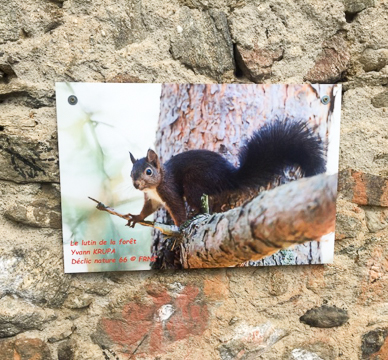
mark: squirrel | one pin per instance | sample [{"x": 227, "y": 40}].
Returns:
[{"x": 189, "y": 175}]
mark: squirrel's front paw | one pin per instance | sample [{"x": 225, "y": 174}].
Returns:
[{"x": 134, "y": 219}]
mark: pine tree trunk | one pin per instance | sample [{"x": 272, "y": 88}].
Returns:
[{"x": 222, "y": 118}]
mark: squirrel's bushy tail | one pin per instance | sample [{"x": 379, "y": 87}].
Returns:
[{"x": 274, "y": 147}]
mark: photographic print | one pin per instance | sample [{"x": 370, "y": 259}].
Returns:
[{"x": 180, "y": 176}]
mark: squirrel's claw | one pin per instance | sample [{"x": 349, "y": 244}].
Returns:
[{"x": 134, "y": 220}]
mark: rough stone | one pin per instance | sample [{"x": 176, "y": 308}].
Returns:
[
  {"x": 17, "y": 316},
  {"x": 17, "y": 92},
  {"x": 278, "y": 284},
  {"x": 356, "y": 6},
  {"x": 60, "y": 337},
  {"x": 365, "y": 80},
  {"x": 374, "y": 60},
  {"x": 25, "y": 160},
  {"x": 43, "y": 211},
  {"x": 127, "y": 27},
  {"x": 370, "y": 27},
  {"x": 204, "y": 44},
  {"x": 29, "y": 154},
  {"x": 363, "y": 189},
  {"x": 380, "y": 100},
  {"x": 350, "y": 220},
  {"x": 325, "y": 317},
  {"x": 331, "y": 63},
  {"x": 67, "y": 350},
  {"x": 21, "y": 21},
  {"x": 314, "y": 351},
  {"x": 301, "y": 354},
  {"x": 361, "y": 124},
  {"x": 78, "y": 300},
  {"x": 250, "y": 341},
  {"x": 208, "y": 4},
  {"x": 24, "y": 349},
  {"x": 195, "y": 314},
  {"x": 177, "y": 315},
  {"x": 272, "y": 31},
  {"x": 257, "y": 64},
  {"x": 93, "y": 286},
  {"x": 6, "y": 70},
  {"x": 125, "y": 78},
  {"x": 33, "y": 275},
  {"x": 216, "y": 287},
  {"x": 347, "y": 226},
  {"x": 372, "y": 342},
  {"x": 376, "y": 218}
]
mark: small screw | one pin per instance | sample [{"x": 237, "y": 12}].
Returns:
[
  {"x": 325, "y": 99},
  {"x": 72, "y": 100}
]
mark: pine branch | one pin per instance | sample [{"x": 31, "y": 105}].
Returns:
[
  {"x": 169, "y": 230},
  {"x": 295, "y": 213}
]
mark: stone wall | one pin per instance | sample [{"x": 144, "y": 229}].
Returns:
[{"x": 337, "y": 311}]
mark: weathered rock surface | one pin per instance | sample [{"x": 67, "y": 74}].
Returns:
[
  {"x": 178, "y": 314},
  {"x": 369, "y": 27},
  {"x": 78, "y": 300},
  {"x": 380, "y": 100},
  {"x": 229, "y": 313},
  {"x": 256, "y": 64},
  {"x": 331, "y": 63},
  {"x": 34, "y": 275},
  {"x": 17, "y": 316},
  {"x": 43, "y": 211},
  {"x": 272, "y": 42},
  {"x": 356, "y": 6},
  {"x": 60, "y": 337},
  {"x": 67, "y": 350},
  {"x": 372, "y": 342},
  {"x": 362, "y": 124},
  {"x": 374, "y": 60},
  {"x": 350, "y": 221},
  {"x": 24, "y": 349},
  {"x": 364, "y": 189},
  {"x": 301, "y": 354},
  {"x": 313, "y": 351},
  {"x": 202, "y": 42},
  {"x": 22, "y": 21},
  {"x": 376, "y": 218},
  {"x": 252, "y": 341},
  {"x": 28, "y": 142},
  {"x": 325, "y": 317}
]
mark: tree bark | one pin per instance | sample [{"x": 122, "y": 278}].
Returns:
[
  {"x": 274, "y": 220},
  {"x": 222, "y": 118}
]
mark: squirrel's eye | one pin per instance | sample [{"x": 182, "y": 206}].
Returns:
[{"x": 149, "y": 172}]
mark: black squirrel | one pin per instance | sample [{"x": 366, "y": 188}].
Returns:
[{"x": 189, "y": 175}]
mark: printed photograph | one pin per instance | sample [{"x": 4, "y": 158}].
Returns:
[{"x": 181, "y": 176}]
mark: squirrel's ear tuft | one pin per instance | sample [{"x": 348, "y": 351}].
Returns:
[
  {"x": 132, "y": 158},
  {"x": 152, "y": 158}
]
